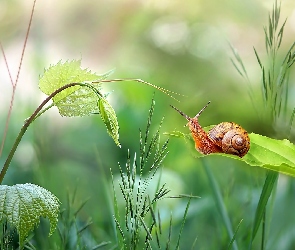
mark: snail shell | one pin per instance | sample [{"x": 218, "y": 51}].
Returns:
[
  {"x": 231, "y": 138},
  {"x": 226, "y": 137}
]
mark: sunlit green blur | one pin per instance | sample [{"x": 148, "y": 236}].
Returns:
[{"x": 179, "y": 46}]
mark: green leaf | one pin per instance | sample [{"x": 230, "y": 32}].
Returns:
[
  {"x": 22, "y": 205},
  {"x": 265, "y": 152},
  {"x": 109, "y": 118},
  {"x": 76, "y": 100}
]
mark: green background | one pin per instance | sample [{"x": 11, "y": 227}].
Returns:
[{"x": 179, "y": 46}]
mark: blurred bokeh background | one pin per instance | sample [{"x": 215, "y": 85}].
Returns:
[{"x": 183, "y": 47}]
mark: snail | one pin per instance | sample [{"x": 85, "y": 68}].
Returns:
[{"x": 226, "y": 137}]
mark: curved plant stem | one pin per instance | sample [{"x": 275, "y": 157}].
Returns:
[{"x": 36, "y": 114}]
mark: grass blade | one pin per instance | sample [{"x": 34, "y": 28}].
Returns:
[
  {"x": 291, "y": 122},
  {"x": 235, "y": 65},
  {"x": 288, "y": 54},
  {"x": 280, "y": 34},
  {"x": 102, "y": 244},
  {"x": 233, "y": 239},
  {"x": 117, "y": 228},
  {"x": 219, "y": 202},
  {"x": 242, "y": 69},
  {"x": 270, "y": 30},
  {"x": 267, "y": 42},
  {"x": 268, "y": 186},
  {"x": 277, "y": 13},
  {"x": 257, "y": 57},
  {"x": 182, "y": 223},
  {"x": 169, "y": 234}
]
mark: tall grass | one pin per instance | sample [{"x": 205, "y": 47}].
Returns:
[
  {"x": 140, "y": 227},
  {"x": 275, "y": 73},
  {"x": 275, "y": 84}
]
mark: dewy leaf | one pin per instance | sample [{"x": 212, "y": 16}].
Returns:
[
  {"x": 265, "y": 152},
  {"x": 109, "y": 118},
  {"x": 76, "y": 100},
  {"x": 23, "y": 204}
]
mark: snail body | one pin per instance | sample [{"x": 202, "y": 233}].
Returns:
[{"x": 225, "y": 137}]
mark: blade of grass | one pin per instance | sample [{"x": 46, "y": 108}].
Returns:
[
  {"x": 235, "y": 65},
  {"x": 80, "y": 207},
  {"x": 169, "y": 234},
  {"x": 280, "y": 34},
  {"x": 263, "y": 238},
  {"x": 219, "y": 202},
  {"x": 267, "y": 42},
  {"x": 85, "y": 227},
  {"x": 120, "y": 240},
  {"x": 242, "y": 69},
  {"x": 291, "y": 122},
  {"x": 288, "y": 54},
  {"x": 277, "y": 11},
  {"x": 146, "y": 228},
  {"x": 257, "y": 57},
  {"x": 154, "y": 223},
  {"x": 159, "y": 222},
  {"x": 182, "y": 223},
  {"x": 268, "y": 186},
  {"x": 194, "y": 243},
  {"x": 233, "y": 239},
  {"x": 102, "y": 244}
]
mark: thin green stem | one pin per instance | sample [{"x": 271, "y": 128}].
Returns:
[
  {"x": 165, "y": 91},
  {"x": 32, "y": 118}
]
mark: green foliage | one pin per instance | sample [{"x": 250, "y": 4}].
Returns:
[
  {"x": 76, "y": 92},
  {"x": 274, "y": 73},
  {"x": 220, "y": 204},
  {"x": 86, "y": 94},
  {"x": 82, "y": 98},
  {"x": 23, "y": 204},
  {"x": 142, "y": 224},
  {"x": 108, "y": 115},
  {"x": 134, "y": 186},
  {"x": 73, "y": 234},
  {"x": 275, "y": 155},
  {"x": 270, "y": 182},
  {"x": 265, "y": 152},
  {"x": 77, "y": 100}
]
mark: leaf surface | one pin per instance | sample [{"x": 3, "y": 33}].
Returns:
[
  {"x": 23, "y": 204},
  {"x": 75, "y": 100},
  {"x": 108, "y": 115},
  {"x": 265, "y": 152}
]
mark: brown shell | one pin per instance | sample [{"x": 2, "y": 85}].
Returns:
[
  {"x": 231, "y": 138},
  {"x": 226, "y": 137}
]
